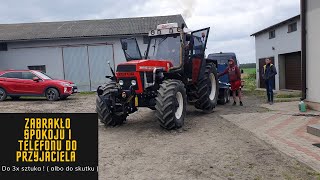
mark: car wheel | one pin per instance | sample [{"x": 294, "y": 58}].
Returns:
[
  {"x": 15, "y": 97},
  {"x": 3, "y": 94},
  {"x": 228, "y": 96},
  {"x": 52, "y": 94}
]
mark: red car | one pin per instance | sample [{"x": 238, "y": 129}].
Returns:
[{"x": 16, "y": 83}]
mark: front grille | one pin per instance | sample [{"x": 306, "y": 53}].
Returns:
[{"x": 126, "y": 68}]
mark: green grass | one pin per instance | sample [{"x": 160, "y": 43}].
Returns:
[
  {"x": 249, "y": 70},
  {"x": 250, "y": 79},
  {"x": 289, "y": 95},
  {"x": 87, "y": 93}
]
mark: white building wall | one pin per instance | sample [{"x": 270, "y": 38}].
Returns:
[
  {"x": 20, "y": 55},
  {"x": 313, "y": 61},
  {"x": 283, "y": 43},
  {"x": 22, "y": 58}
]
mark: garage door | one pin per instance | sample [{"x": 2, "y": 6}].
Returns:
[
  {"x": 75, "y": 60},
  {"x": 293, "y": 71},
  {"x": 262, "y": 62},
  {"x": 98, "y": 62},
  {"x": 87, "y": 65}
]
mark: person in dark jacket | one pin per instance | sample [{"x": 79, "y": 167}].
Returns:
[
  {"x": 268, "y": 73},
  {"x": 234, "y": 74}
]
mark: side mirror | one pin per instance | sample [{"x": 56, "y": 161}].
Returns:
[
  {"x": 36, "y": 79},
  {"x": 241, "y": 71},
  {"x": 124, "y": 46}
]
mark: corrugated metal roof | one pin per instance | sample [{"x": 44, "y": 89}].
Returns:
[
  {"x": 83, "y": 28},
  {"x": 276, "y": 25}
]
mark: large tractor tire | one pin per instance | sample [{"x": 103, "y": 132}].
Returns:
[
  {"x": 208, "y": 89},
  {"x": 171, "y": 103},
  {"x": 104, "y": 114}
]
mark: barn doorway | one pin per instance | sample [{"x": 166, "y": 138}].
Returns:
[{"x": 87, "y": 66}]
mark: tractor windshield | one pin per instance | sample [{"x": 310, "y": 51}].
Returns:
[{"x": 165, "y": 48}]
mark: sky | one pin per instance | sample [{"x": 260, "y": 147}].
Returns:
[{"x": 231, "y": 22}]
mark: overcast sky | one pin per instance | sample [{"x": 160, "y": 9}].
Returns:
[{"x": 231, "y": 21}]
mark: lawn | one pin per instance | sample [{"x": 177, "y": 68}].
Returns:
[
  {"x": 249, "y": 70},
  {"x": 249, "y": 76}
]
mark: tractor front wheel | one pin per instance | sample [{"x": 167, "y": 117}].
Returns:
[
  {"x": 208, "y": 89},
  {"x": 104, "y": 114},
  {"x": 171, "y": 104}
]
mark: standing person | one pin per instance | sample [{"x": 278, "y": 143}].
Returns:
[
  {"x": 269, "y": 72},
  {"x": 234, "y": 74}
]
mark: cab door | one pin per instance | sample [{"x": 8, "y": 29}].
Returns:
[
  {"x": 199, "y": 41},
  {"x": 131, "y": 49}
]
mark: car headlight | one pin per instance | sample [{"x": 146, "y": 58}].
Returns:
[
  {"x": 121, "y": 82},
  {"x": 64, "y": 84},
  {"x": 133, "y": 82}
]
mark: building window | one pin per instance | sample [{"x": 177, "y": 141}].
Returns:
[
  {"x": 41, "y": 68},
  {"x": 145, "y": 39},
  {"x": 292, "y": 27},
  {"x": 272, "y": 34},
  {"x": 3, "y": 47}
]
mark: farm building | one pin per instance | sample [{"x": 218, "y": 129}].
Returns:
[
  {"x": 310, "y": 12},
  {"x": 74, "y": 50},
  {"x": 282, "y": 44}
]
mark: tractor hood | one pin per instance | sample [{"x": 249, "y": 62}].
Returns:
[{"x": 144, "y": 65}]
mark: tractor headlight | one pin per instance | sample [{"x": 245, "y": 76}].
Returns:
[
  {"x": 133, "y": 82},
  {"x": 121, "y": 82}
]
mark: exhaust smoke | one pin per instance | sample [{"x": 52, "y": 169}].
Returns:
[{"x": 188, "y": 7}]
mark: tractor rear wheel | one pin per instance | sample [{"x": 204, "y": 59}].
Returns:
[
  {"x": 104, "y": 114},
  {"x": 171, "y": 104},
  {"x": 208, "y": 89}
]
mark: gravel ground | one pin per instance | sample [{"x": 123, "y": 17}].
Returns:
[{"x": 208, "y": 147}]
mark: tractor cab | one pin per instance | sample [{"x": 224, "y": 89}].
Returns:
[
  {"x": 168, "y": 42},
  {"x": 170, "y": 49}
]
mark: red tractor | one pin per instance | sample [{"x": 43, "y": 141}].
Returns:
[{"x": 172, "y": 72}]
